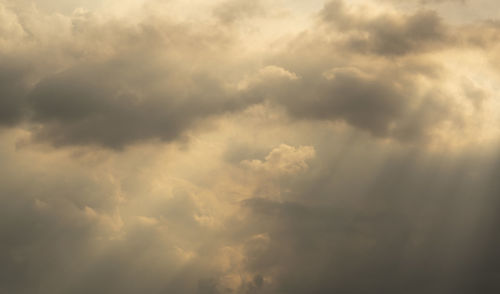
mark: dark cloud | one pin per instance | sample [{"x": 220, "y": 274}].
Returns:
[
  {"x": 386, "y": 99},
  {"x": 113, "y": 84},
  {"x": 13, "y": 88},
  {"x": 373, "y": 71},
  {"x": 342, "y": 212},
  {"x": 46, "y": 226},
  {"x": 385, "y": 34},
  {"x": 363, "y": 101},
  {"x": 118, "y": 103},
  {"x": 404, "y": 230}
]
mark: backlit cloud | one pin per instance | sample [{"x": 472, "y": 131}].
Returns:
[{"x": 263, "y": 147}]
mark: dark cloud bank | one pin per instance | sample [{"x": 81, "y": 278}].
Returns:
[
  {"x": 114, "y": 84},
  {"x": 364, "y": 218},
  {"x": 404, "y": 232}
]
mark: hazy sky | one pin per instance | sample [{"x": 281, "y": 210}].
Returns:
[{"x": 267, "y": 146}]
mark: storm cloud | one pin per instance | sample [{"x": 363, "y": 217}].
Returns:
[
  {"x": 116, "y": 83},
  {"x": 219, "y": 147}
]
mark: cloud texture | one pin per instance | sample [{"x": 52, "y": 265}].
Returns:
[{"x": 232, "y": 147}]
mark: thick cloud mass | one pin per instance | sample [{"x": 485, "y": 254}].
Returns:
[
  {"x": 386, "y": 34},
  {"x": 408, "y": 234},
  {"x": 236, "y": 147},
  {"x": 115, "y": 83},
  {"x": 13, "y": 89},
  {"x": 112, "y": 104}
]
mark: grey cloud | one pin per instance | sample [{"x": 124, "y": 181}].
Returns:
[
  {"x": 44, "y": 227},
  {"x": 362, "y": 228},
  {"x": 13, "y": 88},
  {"x": 385, "y": 101},
  {"x": 112, "y": 84},
  {"x": 386, "y": 34},
  {"x": 403, "y": 32},
  {"x": 372, "y": 72},
  {"x": 157, "y": 80},
  {"x": 361, "y": 219},
  {"x": 115, "y": 104},
  {"x": 362, "y": 216},
  {"x": 364, "y": 102}
]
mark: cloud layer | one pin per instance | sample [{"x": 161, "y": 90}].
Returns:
[{"x": 226, "y": 147}]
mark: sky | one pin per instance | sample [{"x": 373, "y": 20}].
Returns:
[{"x": 249, "y": 147}]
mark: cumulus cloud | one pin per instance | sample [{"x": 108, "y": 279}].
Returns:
[
  {"x": 283, "y": 159},
  {"x": 114, "y": 83},
  {"x": 354, "y": 153},
  {"x": 383, "y": 72},
  {"x": 387, "y": 100},
  {"x": 388, "y": 236},
  {"x": 115, "y": 106},
  {"x": 385, "y": 33}
]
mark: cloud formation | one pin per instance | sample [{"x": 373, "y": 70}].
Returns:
[
  {"x": 115, "y": 83},
  {"x": 224, "y": 147}
]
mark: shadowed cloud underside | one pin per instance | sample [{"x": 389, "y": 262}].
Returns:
[{"x": 249, "y": 147}]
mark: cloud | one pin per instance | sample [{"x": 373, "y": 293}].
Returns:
[
  {"x": 236, "y": 10},
  {"x": 391, "y": 235},
  {"x": 113, "y": 84},
  {"x": 387, "y": 100},
  {"x": 385, "y": 72},
  {"x": 115, "y": 104},
  {"x": 283, "y": 159},
  {"x": 13, "y": 88},
  {"x": 357, "y": 153},
  {"x": 385, "y": 34},
  {"x": 338, "y": 227}
]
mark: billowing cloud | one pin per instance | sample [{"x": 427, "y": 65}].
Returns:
[
  {"x": 115, "y": 83},
  {"x": 282, "y": 160},
  {"x": 385, "y": 34},
  {"x": 115, "y": 106},
  {"x": 228, "y": 147}
]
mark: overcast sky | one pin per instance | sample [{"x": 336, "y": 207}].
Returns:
[{"x": 249, "y": 147}]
